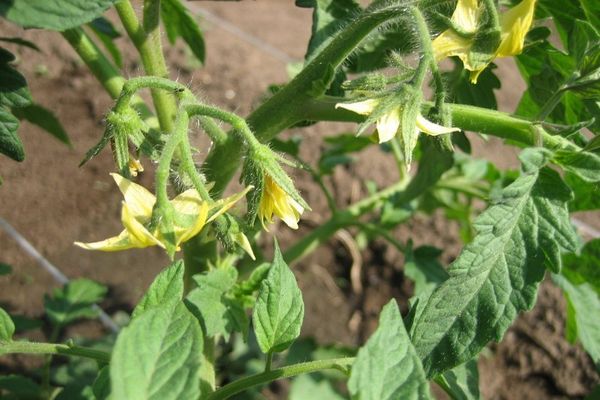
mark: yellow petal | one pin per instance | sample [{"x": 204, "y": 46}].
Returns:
[
  {"x": 276, "y": 201},
  {"x": 364, "y": 107},
  {"x": 139, "y": 200},
  {"x": 139, "y": 236},
  {"x": 466, "y": 15},
  {"x": 433, "y": 129},
  {"x": 244, "y": 243},
  {"x": 227, "y": 203},
  {"x": 188, "y": 202},
  {"x": 515, "y": 24},
  {"x": 388, "y": 125},
  {"x": 115, "y": 243},
  {"x": 193, "y": 230}
]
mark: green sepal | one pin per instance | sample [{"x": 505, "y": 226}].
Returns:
[
  {"x": 163, "y": 216},
  {"x": 484, "y": 47},
  {"x": 252, "y": 174},
  {"x": 409, "y": 133}
]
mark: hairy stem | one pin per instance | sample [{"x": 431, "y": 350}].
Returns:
[
  {"x": 148, "y": 45},
  {"x": 280, "y": 373},
  {"x": 55, "y": 349}
]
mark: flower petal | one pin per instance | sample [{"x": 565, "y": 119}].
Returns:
[
  {"x": 227, "y": 203},
  {"x": 139, "y": 200},
  {"x": 431, "y": 128},
  {"x": 187, "y": 234},
  {"x": 466, "y": 15},
  {"x": 364, "y": 107},
  {"x": 116, "y": 243},
  {"x": 139, "y": 236},
  {"x": 388, "y": 125},
  {"x": 515, "y": 23}
]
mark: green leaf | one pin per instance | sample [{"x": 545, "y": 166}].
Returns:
[
  {"x": 165, "y": 290},
  {"x": 57, "y": 15},
  {"x": 10, "y": 144},
  {"x": 584, "y": 302},
  {"x": 214, "y": 304},
  {"x": 74, "y": 301},
  {"x": 591, "y": 9},
  {"x": 43, "y": 118},
  {"x": 7, "y": 327},
  {"x": 423, "y": 267},
  {"x": 158, "y": 356},
  {"x": 462, "y": 91},
  {"x": 101, "y": 385},
  {"x": 584, "y": 164},
  {"x": 583, "y": 268},
  {"x": 107, "y": 33},
  {"x": 179, "y": 23},
  {"x": 586, "y": 194},
  {"x": 462, "y": 382},
  {"x": 308, "y": 387},
  {"x": 20, "y": 387},
  {"x": 5, "y": 269},
  {"x": 387, "y": 366},
  {"x": 497, "y": 275},
  {"x": 13, "y": 87},
  {"x": 21, "y": 42},
  {"x": 279, "y": 309}
]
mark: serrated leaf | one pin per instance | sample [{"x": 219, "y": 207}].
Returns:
[
  {"x": 497, "y": 275},
  {"x": 252, "y": 284},
  {"x": 7, "y": 327},
  {"x": 423, "y": 267},
  {"x": 584, "y": 267},
  {"x": 462, "y": 382},
  {"x": 158, "y": 356},
  {"x": 179, "y": 23},
  {"x": 584, "y": 302},
  {"x": 165, "y": 290},
  {"x": 101, "y": 387},
  {"x": 214, "y": 304},
  {"x": 387, "y": 366},
  {"x": 584, "y": 164},
  {"x": 13, "y": 87},
  {"x": 57, "y": 15},
  {"x": 45, "y": 119},
  {"x": 10, "y": 144},
  {"x": 279, "y": 308},
  {"x": 587, "y": 195},
  {"x": 74, "y": 301}
]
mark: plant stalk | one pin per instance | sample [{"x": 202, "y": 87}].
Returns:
[{"x": 55, "y": 349}]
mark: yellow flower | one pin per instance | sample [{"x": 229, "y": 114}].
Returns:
[
  {"x": 514, "y": 25},
  {"x": 276, "y": 201},
  {"x": 191, "y": 215},
  {"x": 389, "y": 123}
]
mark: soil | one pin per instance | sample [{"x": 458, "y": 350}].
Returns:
[{"x": 53, "y": 203}]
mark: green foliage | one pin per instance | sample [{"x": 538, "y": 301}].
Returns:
[
  {"x": 422, "y": 266},
  {"x": 56, "y": 15},
  {"x": 462, "y": 382},
  {"x": 45, "y": 119},
  {"x": 388, "y": 367},
  {"x": 462, "y": 91},
  {"x": 107, "y": 33},
  {"x": 166, "y": 290},
  {"x": 19, "y": 387},
  {"x": 7, "y": 327},
  {"x": 101, "y": 385},
  {"x": 584, "y": 164},
  {"x": 74, "y": 301},
  {"x": 214, "y": 303},
  {"x": 158, "y": 356},
  {"x": 497, "y": 275},
  {"x": 279, "y": 309},
  {"x": 179, "y": 23}
]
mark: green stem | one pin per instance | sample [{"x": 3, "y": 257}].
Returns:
[
  {"x": 151, "y": 54},
  {"x": 280, "y": 373},
  {"x": 269, "y": 361},
  {"x": 468, "y": 118},
  {"x": 48, "y": 362},
  {"x": 283, "y": 109},
  {"x": 101, "y": 67},
  {"x": 55, "y": 349}
]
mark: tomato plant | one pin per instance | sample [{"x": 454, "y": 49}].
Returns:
[{"x": 368, "y": 65}]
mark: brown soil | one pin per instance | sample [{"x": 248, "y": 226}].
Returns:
[{"x": 52, "y": 203}]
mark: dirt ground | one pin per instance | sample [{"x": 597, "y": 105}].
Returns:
[{"x": 53, "y": 203}]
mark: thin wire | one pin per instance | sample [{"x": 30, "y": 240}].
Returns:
[{"x": 56, "y": 273}]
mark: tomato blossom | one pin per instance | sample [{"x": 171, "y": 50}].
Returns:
[
  {"x": 191, "y": 214},
  {"x": 514, "y": 25},
  {"x": 276, "y": 201}
]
